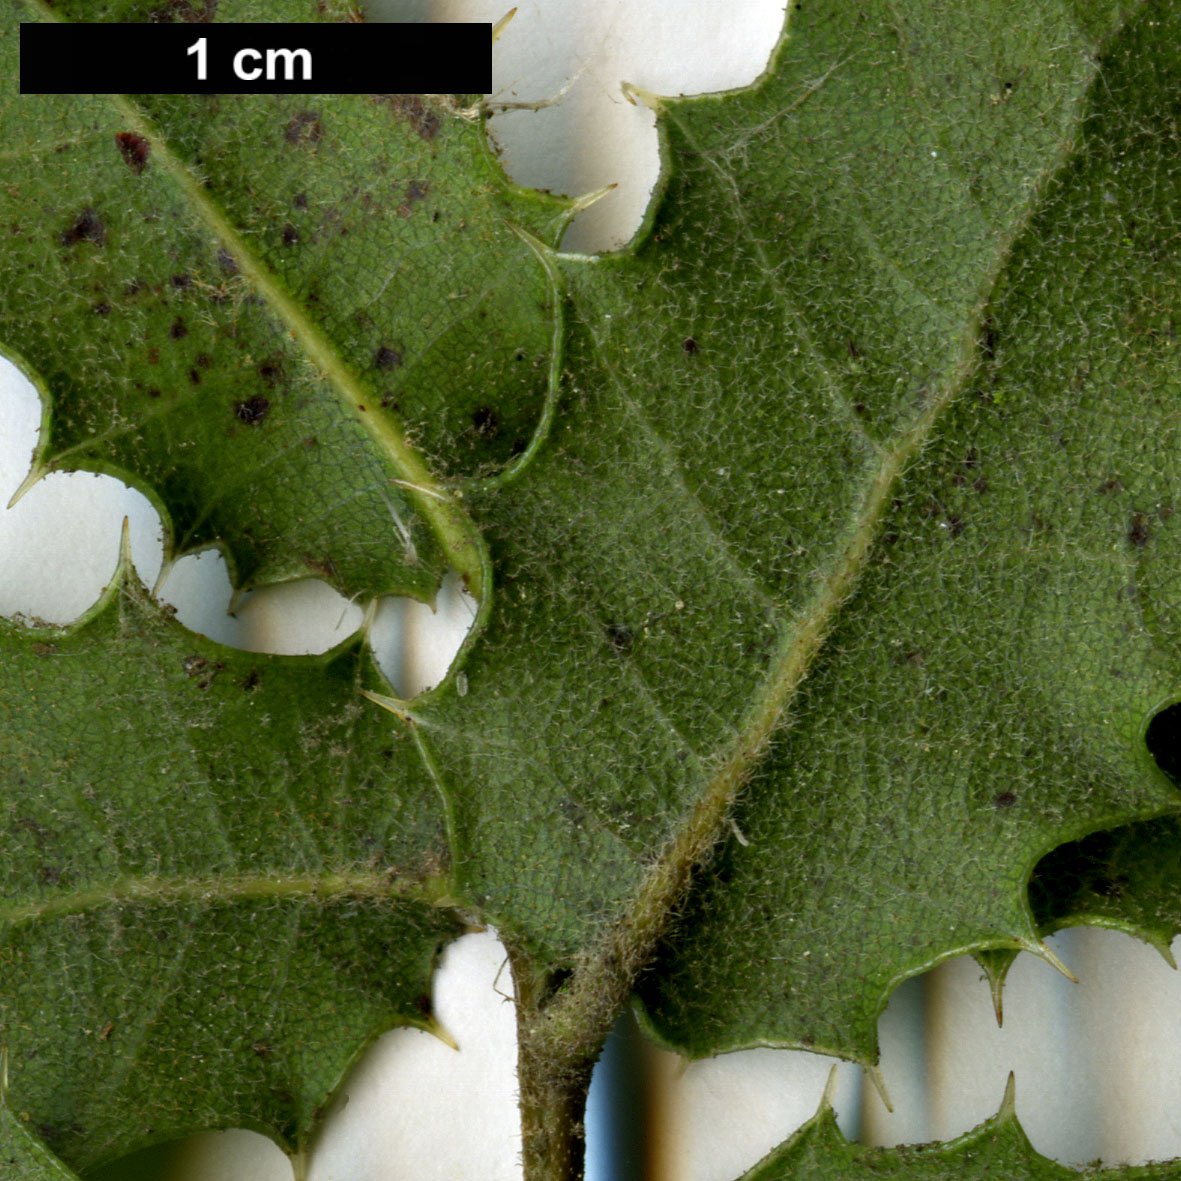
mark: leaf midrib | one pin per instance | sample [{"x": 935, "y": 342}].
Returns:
[
  {"x": 577, "y": 1020},
  {"x": 430, "y": 890}
]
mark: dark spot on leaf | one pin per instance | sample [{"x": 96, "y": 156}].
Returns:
[
  {"x": 194, "y": 377},
  {"x": 135, "y": 150},
  {"x": 424, "y": 119},
  {"x": 253, "y": 410},
  {"x": 304, "y": 127},
  {"x": 852, "y": 349},
  {"x": 1163, "y": 739},
  {"x": 325, "y": 567},
  {"x": 262, "y": 1049},
  {"x": 153, "y": 355},
  {"x": 300, "y": 200},
  {"x": 290, "y": 235},
  {"x": 178, "y": 331},
  {"x": 989, "y": 337},
  {"x": 689, "y": 346},
  {"x": 41, "y": 648},
  {"x": 194, "y": 665},
  {"x": 622, "y": 638},
  {"x": 204, "y": 361},
  {"x": 227, "y": 262},
  {"x": 387, "y": 358},
  {"x": 980, "y": 484},
  {"x": 955, "y": 525},
  {"x": 1109, "y": 486},
  {"x": 49, "y": 875},
  {"x": 486, "y": 421},
  {"x": 180, "y": 282},
  {"x": 1139, "y": 531},
  {"x": 153, "y": 393},
  {"x": 415, "y": 192},
  {"x": 271, "y": 372},
  {"x": 519, "y": 447},
  {"x": 1005, "y": 799},
  {"x": 252, "y": 680},
  {"x": 87, "y": 227},
  {"x": 102, "y": 309}
]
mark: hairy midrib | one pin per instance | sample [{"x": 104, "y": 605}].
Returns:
[
  {"x": 429, "y": 890},
  {"x": 575, "y": 1022}
]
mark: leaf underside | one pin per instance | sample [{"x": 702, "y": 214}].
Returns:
[{"x": 857, "y": 506}]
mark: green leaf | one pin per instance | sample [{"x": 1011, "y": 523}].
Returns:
[
  {"x": 997, "y": 1148},
  {"x": 215, "y": 891},
  {"x": 824, "y": 543},
  {"x": 235, "y": 347}
]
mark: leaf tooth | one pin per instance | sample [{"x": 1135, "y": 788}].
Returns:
[
  {"x": 1043, "y": 952},
  {"x": 632, "y": 92},
  {"x": 830, "y": 1086},
  {"x": 1008, "y": 1108},
  {"x": 503, "y": 24},
  {"x": 995, "y": 963},
  {"x": 874, "y": 1074},
  {"x": 35, "y": 473}
]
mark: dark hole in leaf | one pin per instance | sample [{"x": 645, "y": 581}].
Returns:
[
  {"x": 1163, "y": 739},
  {"x": 689, "y": 345}
]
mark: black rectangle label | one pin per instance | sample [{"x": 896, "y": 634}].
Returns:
[{"x": 255, "y": 58}]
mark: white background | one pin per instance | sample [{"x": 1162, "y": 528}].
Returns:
[{"x": 1096, "y": 1062}]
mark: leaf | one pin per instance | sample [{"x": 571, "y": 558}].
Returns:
[
  {"x": 238, "y": 355},
  {"x": 214, "y": 893},
  {"x": 997, "y": 1148},
  {"x": 824, "y": 543}
]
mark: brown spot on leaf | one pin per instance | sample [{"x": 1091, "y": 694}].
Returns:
[
  {"x": 1005, "y": 799},
  {"x": 300, "y": 200},
  {"x": 290, "y": 235},
  {"x": 1139, "y": 530},
  {"x": 271, "y": 372},
  {"x": 178, "y": 331},
  {"x": 415, "y": 191},
  {"x": 180, "y": 282},
  {"x": 387, "y": 358},
  {"x": 304, "y": 127},
  {"x": 135, "y": 150},
  {"x": 227, "y": 262},
  {"x": 253, "y": 410},
  {"x": 87, "y": 227},
  {"x": 689, "y": 346},
  {"x": 423, "y": 118}
]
